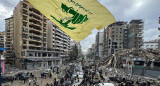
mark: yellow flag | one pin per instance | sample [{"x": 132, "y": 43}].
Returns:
[{"x": 77, "y": 18}]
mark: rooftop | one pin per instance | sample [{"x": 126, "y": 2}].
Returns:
[{"x": 137, "y": 21}]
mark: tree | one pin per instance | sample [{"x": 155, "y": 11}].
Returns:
[{"x": 74, "y": 53}]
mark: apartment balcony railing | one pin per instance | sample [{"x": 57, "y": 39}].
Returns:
[
  {"x": 141, "y": 36},
  {"x": 34, "y": 11},
  {"x": 36, "y": 35},
  {"x": 35, "y": 40},
  {"x": 35, "y": 19},
  {"x": 35, "y": 24},
  {"x": 34, "y": 45},
  {"x": 35, "y": 29},
  {"x": 25, "y": 8}
]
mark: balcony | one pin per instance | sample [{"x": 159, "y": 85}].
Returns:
[
  {"x": 25, "y": 8},
  {"x": 35, "y": 24},
  {"x": 35, "y": 12},
  {"x": 141, "y": 36},
  {"x": 141, "y": 32},
  {"x": 35, "y": 19},
  {"x": 35, "y": 40},
  {"x": 33, "y": 45},
  {"x": 35, "y": 29},
  {"x": 25, "y": 3},
  {"x": 25, "y": 20},
  {"x": 24, "y": 12}
]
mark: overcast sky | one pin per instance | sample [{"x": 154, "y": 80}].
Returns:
[{"x": 122, "y": 10}]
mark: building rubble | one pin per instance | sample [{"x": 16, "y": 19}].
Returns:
[{"x": 127, "y": 55}]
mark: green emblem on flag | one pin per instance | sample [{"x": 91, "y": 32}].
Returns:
[{"x": 77, "y": 18}]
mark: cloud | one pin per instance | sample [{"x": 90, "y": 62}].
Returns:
[
  {"x": 123, "y": 10},
  {"x": 87, "y": 42},
  {"x": 6, "y": 10},
  {"x": 126, "y": 10}
]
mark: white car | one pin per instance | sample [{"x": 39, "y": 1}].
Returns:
[
  {"x": 81, "y": 73},
  {"x": 80, "y": 76},
  {"x": 47, "y": 71},
  {"x": 104, "y": 84},
  {"x": 74, "y": 75}
]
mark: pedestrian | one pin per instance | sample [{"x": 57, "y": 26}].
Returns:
[
  {"x": 78, "y": 79},
  {"x": 24, "y": 80},
  {"x": 50, "y": 75},
  {"x": 37, "y": 84},
  {"x": 11, "y": 79},
  {"x": 30, "y": 75},
  {"x": 30, "y": 82}
]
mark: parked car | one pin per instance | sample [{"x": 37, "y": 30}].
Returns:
[
  {"x": 5, "y": 79},
  {"x": 80, "y": 76},
  {"x": 21, "y": 76},
  {"x": 47, "y": 71},
  {"x": 74, "y": 75},
  {"x": 68, "y": 83}
]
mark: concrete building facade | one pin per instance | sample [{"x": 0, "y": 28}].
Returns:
[
  {"x": 72, "y": 43},
  {"x": 57, "y": 40},
  {"x": 30, "y": 38},
  {"x": 135, "y": 34},
  {"x": 99, "y": 45},
  {"x": 2, "y": 39},
  {"x": 9, "y": 25},
  {"x": 116, "y": 35},
  {"x": 150, "y": 45}
]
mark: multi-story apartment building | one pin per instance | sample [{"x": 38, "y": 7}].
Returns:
[
  {"x": 91, "y": 50},
  {"x": 57, "y": 40},
  {"x": 93, "y": 47},
  {"x": 105, "y": 45},
  {"x": 30, "y": 38},
  {"x": 135, "y": 34},
  {"x": 99, "y": 45},
  {"x": 9, "y": 25},
  {"x": 150, "y": 45},
  {"x": 2, "y": 39},
  {"x": 73, "y": 43},
  {"x": 116, "y": 35}
]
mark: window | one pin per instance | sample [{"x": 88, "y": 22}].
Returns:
[
  {"x": 23, "y": 53},
  {"x": 30, "y": 54},
  {"x": 49, "y": 55},
  {"x": 25, "y": 30}
]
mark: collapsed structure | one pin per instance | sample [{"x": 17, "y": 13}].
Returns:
[{"x": 130, "y": 56}]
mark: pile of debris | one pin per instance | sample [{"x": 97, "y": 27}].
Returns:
[{"x": 116, "y": 60}]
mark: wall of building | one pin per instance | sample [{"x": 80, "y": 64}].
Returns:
[
  {"x": 9, "y": 27},
  {"x": 115, "y": 37},
  {"x": 99, "y": 45},
  {"x": 150, "y": 45},
  {"x": 2, "y": 39},
  {"x": 135, "y": 34}
]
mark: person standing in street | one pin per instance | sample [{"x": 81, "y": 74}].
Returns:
[{"x": 30, "y": 82}]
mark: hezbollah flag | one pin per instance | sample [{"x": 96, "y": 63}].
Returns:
[{"x": 77, "y": 18}]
